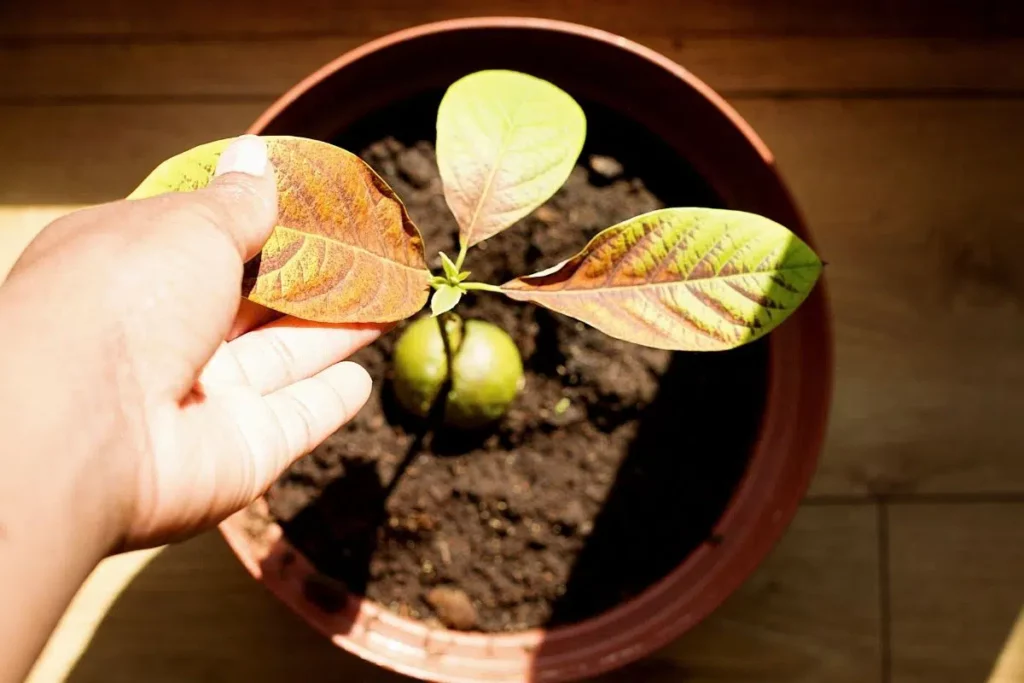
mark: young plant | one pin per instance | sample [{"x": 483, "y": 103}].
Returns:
[{"x": 684, "y": 279}]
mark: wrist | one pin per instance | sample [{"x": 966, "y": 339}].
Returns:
[{"x": 63, "y": 439}]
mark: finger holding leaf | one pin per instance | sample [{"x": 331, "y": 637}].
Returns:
[{"x": 344, "y": 249}]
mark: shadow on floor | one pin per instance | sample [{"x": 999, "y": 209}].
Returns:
[
  {"x": 194, "y": 614},
  {"x": 809, "y": 614}
]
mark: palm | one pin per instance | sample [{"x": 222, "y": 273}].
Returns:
[{"x": 262, "y": 399}]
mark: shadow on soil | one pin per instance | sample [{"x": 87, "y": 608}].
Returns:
[{"x": 675, "y": 482}]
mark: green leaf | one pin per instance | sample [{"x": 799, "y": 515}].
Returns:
[
  {"x": 444, "y": 299},
  {"x": 450, "y": 269},
  {"x": 682, "y": 279},
  {"x": 344, "y": 249},
  {"x": 505, "y": 143}
]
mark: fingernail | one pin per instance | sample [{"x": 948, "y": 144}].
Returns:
[{"x": 247, "y": 154}]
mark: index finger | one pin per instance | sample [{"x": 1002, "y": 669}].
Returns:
[{"x": 286, "y": 351}]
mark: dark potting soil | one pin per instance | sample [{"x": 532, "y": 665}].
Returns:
[{"x": 612, "y": 465}]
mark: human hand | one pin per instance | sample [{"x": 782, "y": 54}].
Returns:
[{"x": 184, "y": 407}]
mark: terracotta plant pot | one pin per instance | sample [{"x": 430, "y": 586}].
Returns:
[{"x": 701, "y": 128}]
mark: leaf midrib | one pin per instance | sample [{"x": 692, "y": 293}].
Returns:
[
  {"x": 347, "y": 245},
  {"x": 493, "y": 173},
  {"x": 655, "y": 285}
]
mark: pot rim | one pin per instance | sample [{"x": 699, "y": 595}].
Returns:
[
  {"x": 662, "y": 611},
  {"x": 538, "y": 23}
]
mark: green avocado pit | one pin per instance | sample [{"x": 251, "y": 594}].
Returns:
[{"x": 487, "y": 370}]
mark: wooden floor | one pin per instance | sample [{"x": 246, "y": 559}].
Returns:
[{"x": 900, "y": 126}]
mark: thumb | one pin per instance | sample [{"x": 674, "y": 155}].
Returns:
[
  {"x": 242, "y": 197},
  {"x": 181, "y": 247}
]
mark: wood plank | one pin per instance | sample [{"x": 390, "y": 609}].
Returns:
[
  {"x": 94, "y": 153},
  {"x": 734, "y": 66},
  {"x": 919, "y": 211},
  {"x": 194, "y": 18},
  {"x": 191, "y": 613},
  {"x": 957, "y": 593},
  {"x": 916, "y": 205},
  {"x": 1009, "y": 667},
  {"x": 810, "y": 613},
  {"x": 84, "y": 614}
]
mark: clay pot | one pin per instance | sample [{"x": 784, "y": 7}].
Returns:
[{"x": 703, "y": 129}]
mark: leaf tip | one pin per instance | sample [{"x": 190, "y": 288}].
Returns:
[{"x": 449, "y": 267}]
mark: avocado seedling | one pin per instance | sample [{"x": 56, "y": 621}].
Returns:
[{"x": 345, "y": 250}]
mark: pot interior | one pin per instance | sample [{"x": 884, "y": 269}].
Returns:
[{"x": 551, "y": 518}]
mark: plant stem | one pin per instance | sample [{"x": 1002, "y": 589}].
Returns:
[
  {"x": 463, "y": 248},
  {"x": 449, "y": 352},
  {"x": 481, "y": 287}
]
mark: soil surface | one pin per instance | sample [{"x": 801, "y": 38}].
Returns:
[{"x": 558, "y": 513}]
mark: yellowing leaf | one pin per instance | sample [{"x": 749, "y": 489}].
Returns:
[
  {"x": 505, "y": 143},
  {"x": 681, "y": 279},
  {"x": 344, "y": 249}
]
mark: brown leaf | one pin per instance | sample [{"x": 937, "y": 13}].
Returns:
[
  {"x": 344, "y": 249},
  {"x": 681, "y": 279}
]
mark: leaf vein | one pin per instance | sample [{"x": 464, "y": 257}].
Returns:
[
  {"x": 352, "y": 247},
  {"x": 649, "y": 285},
  {"x": 617, "y": 268},
  {"x": 682, "y": 242}
]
